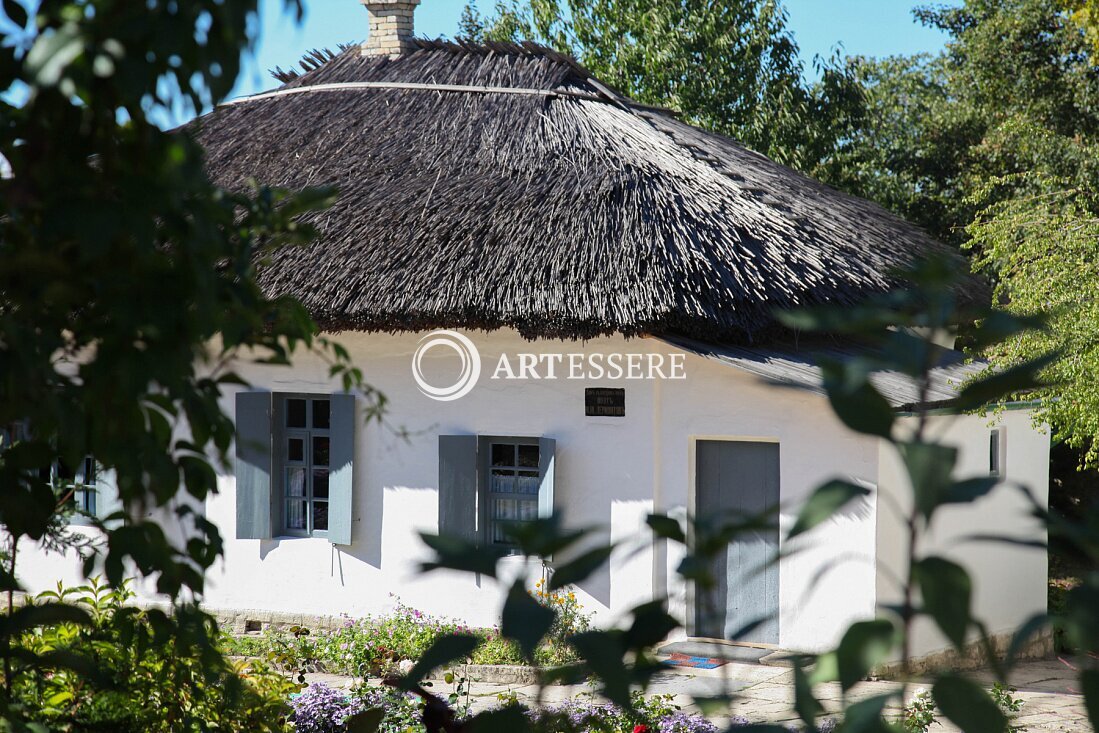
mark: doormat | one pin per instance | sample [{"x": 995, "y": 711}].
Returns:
[{"x": 685, "y": 660}]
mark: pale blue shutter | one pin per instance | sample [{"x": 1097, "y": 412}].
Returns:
[
  {"x": 458, "y": 486},
  {"x": 255, "y": 504},
  {"x": 546, "y": 448},
  {"x": 341, "y": 479},
  {"x": 107, "y": 500}
]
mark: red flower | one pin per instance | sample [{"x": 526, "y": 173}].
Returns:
[{"x": 641, "y": 728}]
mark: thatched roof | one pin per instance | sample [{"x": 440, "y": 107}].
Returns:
[{"x": 542, "y": 201}]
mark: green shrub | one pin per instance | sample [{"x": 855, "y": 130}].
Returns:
[{"x": 140, "y": 677}]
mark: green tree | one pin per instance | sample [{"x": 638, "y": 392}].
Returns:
[
  {"x": 1012, "y": 93},
  {"x": 1085, "y": 13},
  {"x": 127, "y": 290},
  {"x": 731, "y": 67}
]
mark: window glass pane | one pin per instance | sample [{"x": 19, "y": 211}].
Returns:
[
  {"x": 320, "y": 451},
  {"x": 528, "y": 456},
  {"x": 320, "y": 515},
  {"x": 295, "y": 449},
  {"x": 64, "y": 473},
  {"x": 528, "y": 482},
  {"x": 88, "y": 479},
  {"x": 503, "y": 454},
  {"x": 295, "y": 413},
  {"x": 320, "y": 484},
  {"x": 528, "y": 510},
  {"x": 502, "y": 482},
  {"x": 85, "y": 500},
  {"x": 320, "y": 414},
  {"x": 295, "y": 482},
  {"x": 500, "y": 533},
  {"x": 505, "y": 509},
  {"x": 295, "y": 515}
]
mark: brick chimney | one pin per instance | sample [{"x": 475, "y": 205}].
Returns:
[{"x": 391, "y": 27}]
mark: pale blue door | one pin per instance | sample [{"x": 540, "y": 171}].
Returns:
[{"x": 735, "y": 479}]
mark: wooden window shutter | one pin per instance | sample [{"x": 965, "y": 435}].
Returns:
[
  {"x": 458, "y": 486},
  {"x": 341, "y": 506},
  {"x": 546, "y": 448},
  {"x": 107, "y": 500},
  {"x": 253, "y": 466}
]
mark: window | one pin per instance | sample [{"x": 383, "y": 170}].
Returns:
[
  {"x": 79, "y": 486},
  {"x": 995, "y": 453},
  {"x": 511, "y": 493},
  {"x": 295, "y": 465},
  {"x": 487, "y": 484},
  {"x": 305, "y": 465}
]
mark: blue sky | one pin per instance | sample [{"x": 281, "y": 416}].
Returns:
[{"x": 866, "y": 27}]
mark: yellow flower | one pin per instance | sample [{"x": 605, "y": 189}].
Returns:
[{"x": 572, "y": 596}]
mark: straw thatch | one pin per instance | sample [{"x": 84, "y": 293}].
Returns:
[{"x": 560, "y": 209}]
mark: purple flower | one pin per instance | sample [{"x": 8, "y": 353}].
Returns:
[
  {"x": 681, "y": 722},
  {"x": 321, "y": 709}
]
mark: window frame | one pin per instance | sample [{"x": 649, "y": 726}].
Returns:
[
  {"x": 82, "y": 489},
  {"x": 485, "y": 494},
  {"x": 996, "y": 445},
  {"x": 281, "y": 435}
]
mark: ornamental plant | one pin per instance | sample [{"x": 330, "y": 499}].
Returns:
[
  {"x": 144, "y": 680},
  {"x": 322, "y": 709}
]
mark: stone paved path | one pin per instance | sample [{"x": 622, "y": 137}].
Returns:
[{"x": 765, "y": 694}]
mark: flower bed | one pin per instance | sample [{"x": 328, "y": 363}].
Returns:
[
  {"x": 321, "y": 709},
  {"x": 373, "y": 646}
]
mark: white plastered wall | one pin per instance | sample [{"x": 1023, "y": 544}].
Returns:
[
  {"x": 611, "y": 472},
  {"x": 1009, "y": 581}
]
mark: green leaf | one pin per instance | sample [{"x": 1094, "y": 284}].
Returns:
[
  {"x": 968, "y": 490},
  {"x": 1089, "y": 680},
  {"x": 666, "y": 527},
  {"x": 865, "y": 716},
  {"x": 46, "y": 614},
  {"x": 929, "y": 468},
  {"x": 993, "y": 388},
  {"x": 444, "y": 651},
  {"x": 864, "y": 645},
  {"x": 947, "y": 591},
  {"x": 580, "y": 568},
  {"x": 603, "y": 652},
  {"x": 1023, "y": 635},
  {"x": 806, "y": 704},
  {"x": 824, "y": 502},
  {"x": 651, "y": 625},
  {"x": 367, "y": 721},
  {"x": 544, "y": 537},
  {"x": 453, "y": 553},
  {"x": 524, "y": 619},
  {"x": 825, "y": 669},
  {"x": 967, "y": 705},
  {"x": 855, "y": 401}
]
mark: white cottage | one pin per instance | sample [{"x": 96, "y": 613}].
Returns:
[{"x": 567, "y": 298}]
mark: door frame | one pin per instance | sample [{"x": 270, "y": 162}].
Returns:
[{"x": 692, "y": 509}]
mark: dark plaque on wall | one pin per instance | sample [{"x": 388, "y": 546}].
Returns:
[{"x": 604, "y": 402}]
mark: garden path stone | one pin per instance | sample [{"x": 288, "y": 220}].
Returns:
[{"x": 764, "y": 694}]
